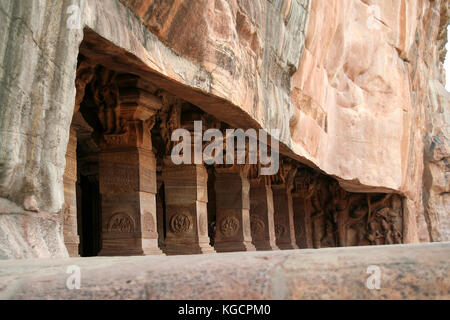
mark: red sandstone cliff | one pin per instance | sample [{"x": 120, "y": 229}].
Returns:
[{"x": 367, "y": 97}]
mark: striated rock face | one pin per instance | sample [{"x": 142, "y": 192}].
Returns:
[
  {"x": 249, "y": 50},
  {"x": 37, "y": 74},
  {"x": 355, "y": 88},
  {"x": 28, "y": 234},
  {"x": 436, "y": 176},
  {"x": 362, "y": 89}
]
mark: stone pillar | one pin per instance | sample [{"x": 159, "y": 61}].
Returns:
[
  {"x": 127, "y": 170},
  {"x": 85, "y": 72},
  {"x": 302, "y": 221},
  {"x": 282, "y": 186},
  {"x": 71, "y": 238},
  {"x": 185, "y": 185},
  {"x": 186, "y": 198},
  {"x": 262, "y": 215},
  {"x": 233, "y": 231},
  {"x": 160, "y": 211},
  {"x": 128, "y": 189},
  {"x": 211, "y": 206}
]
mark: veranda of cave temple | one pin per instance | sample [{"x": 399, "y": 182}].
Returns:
[{"x": 124, "y": 196}]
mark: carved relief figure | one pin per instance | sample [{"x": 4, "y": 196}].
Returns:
[
  {"x": 374, "y": 235},
  {"x": 257, "y": 227},
  {"x": 341, "y": 218},
  {"x": 106, "y": 96},
  {"x": 328, "y": 239},
  {"x": 339, "y": 207},
  {"x": 229, "y": 226},
  {"x": 121, "y": 222},
  {"x": 170, "y": 119}
]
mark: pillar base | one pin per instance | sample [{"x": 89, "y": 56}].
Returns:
[
  {"x": 288, "y": 246},
  {"x": 265, "y": 246},
  {"x": 110, "y": 247},
  {"x": 130, "y": 252},
  {"x": 234, "y": 246},
  {"x": 72, "y": 249},
  {"x": 172, "y": 250}
]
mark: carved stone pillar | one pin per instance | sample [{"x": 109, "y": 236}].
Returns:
[
  {"x": 71, "y": 238},
  {"x": 304, "y": 187},
  {"x": 185, "y": 185},
  {"x": 127, "y": 169},
  {"x": 262, "y": 215},
  {"x": 233, "y": 231},
  {"x": 160, "y": 210},
  {"x": 282, "y": 186},
  {"x": 128, "y": 188},
  {"x": 302, "y": 221},
  {"x": 186, "y": 198}
]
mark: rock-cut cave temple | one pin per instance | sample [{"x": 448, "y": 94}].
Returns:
[{"x": 92, "y": 91}]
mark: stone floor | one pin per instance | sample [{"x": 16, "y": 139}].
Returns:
[{"x": 406, "y": 272}]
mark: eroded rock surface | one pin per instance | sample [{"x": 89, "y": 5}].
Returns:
[
  {"x": 407, "y": 272},
  {"x": 436, "y": 175}
]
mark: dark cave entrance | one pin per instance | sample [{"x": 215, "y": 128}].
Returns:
[{"x": 89, "y": 218}]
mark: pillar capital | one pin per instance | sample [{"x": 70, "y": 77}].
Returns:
[
  {"x": 126, "y": 110},
  {"x": 285, "y": 177}
]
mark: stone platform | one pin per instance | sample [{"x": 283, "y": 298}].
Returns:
[{"x": 407, "y": 272}]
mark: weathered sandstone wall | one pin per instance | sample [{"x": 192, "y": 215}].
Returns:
[
  {"x": 351, "y": 98},
  {"x": 368, "y": 80},
  {"x": 436, "y": 175}
]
